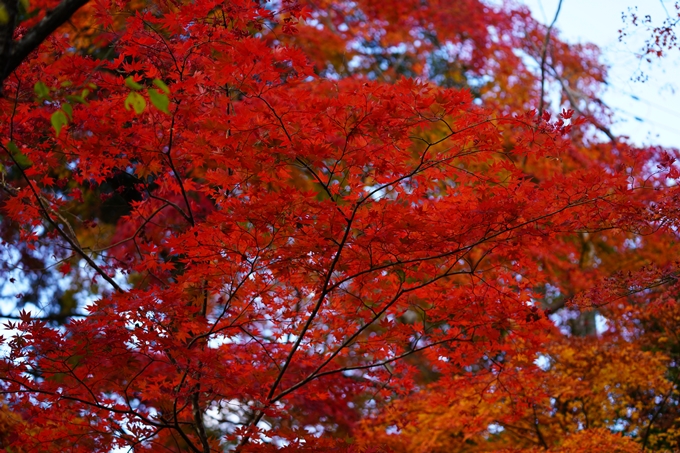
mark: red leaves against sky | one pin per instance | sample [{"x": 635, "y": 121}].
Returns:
[{"x": 293, "y": 250}]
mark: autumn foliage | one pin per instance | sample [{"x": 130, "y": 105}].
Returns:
[{"x": 329, "y": 226}]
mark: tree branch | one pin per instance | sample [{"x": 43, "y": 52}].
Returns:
[
  {"x": 46, "y": 212},
  {"x": 18, "y": 52},
  {"x": 544, "y": 53},
  {"x": 648, "y": 431},
  {"x": 541, "y": 439}
]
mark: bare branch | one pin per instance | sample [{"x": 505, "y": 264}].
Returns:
[{"x": 544, "y": 53}]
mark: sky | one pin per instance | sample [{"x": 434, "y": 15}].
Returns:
[{"x": 648, "y": 112}]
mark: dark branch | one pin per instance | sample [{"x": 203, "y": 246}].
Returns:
[
  {"x": 19, "y": 51},
  {"x": 11, "y": 9}
]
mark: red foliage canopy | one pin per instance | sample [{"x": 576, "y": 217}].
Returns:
[{"x": 249, "y": 227}]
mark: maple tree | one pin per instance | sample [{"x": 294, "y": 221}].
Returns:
[{"x": 327, "y": 225}]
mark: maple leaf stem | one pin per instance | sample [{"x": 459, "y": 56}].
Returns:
[
  {"x": 246, "y": 438},
  {"x": 134, "y": 378},
  {"x": 516, "y": 430},
  {"x": 573, "y": 102},
  {"x": 278, "y": 117},
  {"x": 196, "y": 395},
  {"x": 175, "y": 422}
]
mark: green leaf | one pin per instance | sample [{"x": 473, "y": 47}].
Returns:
[
  {"x": 66, "y": 107},
  {"x": 80, "y": 99},
  {"x": 13, "y": 148},
  {"x": 20, "y": 158},
  {"x": 4, "y": 15},
  {"x": 41, "y": 91},
  {"x": 159, "y": 100},
  {"x": 160, "y": 84},
  {"x": 58, "y": 120},
  {"x": 136, "y": 102},
  {"x": 130, "y": 83},
  {"x": 26, "y": 5}
]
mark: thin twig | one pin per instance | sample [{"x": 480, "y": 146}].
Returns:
[
  {"x": 544, "y": 54},
  {"x": 168, "y": 154}
]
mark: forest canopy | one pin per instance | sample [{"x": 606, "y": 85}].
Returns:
[{"x": 359, "y": 226}]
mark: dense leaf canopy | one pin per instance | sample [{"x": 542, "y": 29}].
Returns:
[{"x": 326, "y": 226}]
